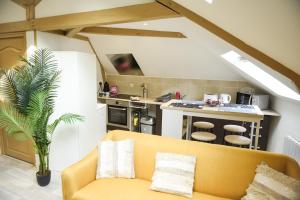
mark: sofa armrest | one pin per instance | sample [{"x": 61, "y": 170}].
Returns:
[
  {"x": 79, "y": 175},
  {"x": 292, "y": 168}
]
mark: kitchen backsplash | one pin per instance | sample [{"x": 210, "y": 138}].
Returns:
[{"x": 194, "y": 89}]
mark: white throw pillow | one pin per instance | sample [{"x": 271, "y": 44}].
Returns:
[
  {"x": 269, "y": 184},
  {"x": 116, "y": 159},
  {"x": 174, "y": 173}
]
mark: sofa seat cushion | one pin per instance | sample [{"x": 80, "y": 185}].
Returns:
[{"x": 129, "y": 189}]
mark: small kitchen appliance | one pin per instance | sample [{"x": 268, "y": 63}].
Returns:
[
  {"x": 243, "y": 98},
  {"x": 225, "y": 98},
  {"x": 262, "y": 101}
]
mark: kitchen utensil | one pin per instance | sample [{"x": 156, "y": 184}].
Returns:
[
  {"x": 225, "y": 98},
  {"x": 212, "y": 103},
  {"x": 211, "y": 97}
]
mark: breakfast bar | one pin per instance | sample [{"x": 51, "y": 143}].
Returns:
[{"x": 174, "y": 110}]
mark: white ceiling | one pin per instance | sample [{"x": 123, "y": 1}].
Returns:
[
  {"x": 195, "y": 57},
  {"x": 272, "y": 26},
  {"x": 11, "y": 12},
  {"x": 59, "y": 7}
]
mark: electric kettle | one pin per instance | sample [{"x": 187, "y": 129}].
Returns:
[{"x": 225, "y": 98}]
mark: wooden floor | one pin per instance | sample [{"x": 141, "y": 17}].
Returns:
[{"x": 17, "y": 182}]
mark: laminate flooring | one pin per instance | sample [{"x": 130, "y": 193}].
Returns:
[{"x": 18, "y": 182}]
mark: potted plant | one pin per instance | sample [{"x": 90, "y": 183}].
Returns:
[{"x": 28, "y": 92}]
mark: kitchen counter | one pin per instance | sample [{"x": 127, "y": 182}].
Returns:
[
  {"x": 271, "y": 113},
  {"x": 172, "y": 119},
  {"x": 142, "y": 100},
  {"x": 214, "y": 110}
]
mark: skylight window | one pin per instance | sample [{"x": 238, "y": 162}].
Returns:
[
  {"x": 209, "y": 1},
  {"x": 260, "y": 75}
]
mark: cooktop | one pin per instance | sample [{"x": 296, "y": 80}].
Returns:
[
  {"x": 223, "y": 107},
  {"x": 122, "y": 96},
  {"x": 197, "y": 105}
]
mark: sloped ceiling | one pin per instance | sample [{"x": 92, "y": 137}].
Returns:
[
  {"x": 272, "y": 26},
  {"x": 195, "y": 57},
  {"x": 7, "y": 7},
  {"x": 59, "y": 7}
]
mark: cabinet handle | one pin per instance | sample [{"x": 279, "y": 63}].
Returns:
[{"x": 115, "y": 108}]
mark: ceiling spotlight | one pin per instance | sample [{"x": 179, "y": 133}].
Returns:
[
  {"x": 145, "y": 24},
  {"x": 209, "y": 1}
]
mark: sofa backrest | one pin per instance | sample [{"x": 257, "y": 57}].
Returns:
[{"x": 220, "y": 170}]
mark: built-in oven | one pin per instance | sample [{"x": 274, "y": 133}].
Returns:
[{"x": 118, "y": 113}]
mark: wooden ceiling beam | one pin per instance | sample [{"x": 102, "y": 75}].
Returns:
[
  {"x": 213, "y": 28},
  {"x": 131, "y": 32},
  {"x": 73, "y": 31},
  {"x": 63, "y": 33},
  {"x": 133, "y": 13},
  {"x": 103, "y": 74},
  {"x": 30, "y": 13}
]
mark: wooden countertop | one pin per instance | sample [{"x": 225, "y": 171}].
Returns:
[
  {"x": 212, "y": 110},
  {"x": 142, "y": 100},
  {"x": 271, "y": 113}
]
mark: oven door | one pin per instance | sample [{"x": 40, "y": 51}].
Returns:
[{"x": 118, "y": 116}]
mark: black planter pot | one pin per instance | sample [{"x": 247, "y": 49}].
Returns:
[{"x": 43, "y": 180}]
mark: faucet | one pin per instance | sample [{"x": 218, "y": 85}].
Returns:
[{"x": 145, "y": 90}]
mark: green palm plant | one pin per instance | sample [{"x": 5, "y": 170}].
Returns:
[{"x": 28, "y": 92}]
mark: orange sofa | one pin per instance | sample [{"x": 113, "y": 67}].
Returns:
[{"x": 222, "y": 172}]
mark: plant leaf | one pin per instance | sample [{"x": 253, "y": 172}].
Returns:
[
  {"x": 13, "y": 122},
  {"x": 68, "y": 118}
]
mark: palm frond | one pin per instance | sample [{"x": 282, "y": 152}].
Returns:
[
  {"x": 8, "y": 85},
  {"x": 37, "y": 104},
  {"x": 13, "y": 122},
  {"x": 68, "y": 118}
]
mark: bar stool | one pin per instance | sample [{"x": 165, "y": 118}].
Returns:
[
  {"x": 205, "y": 135},
  {"x": 237, "y": 135}
]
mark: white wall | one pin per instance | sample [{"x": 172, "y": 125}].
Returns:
[
  {"x": 61, "y": 43},
  {"x": 287, "y": 124},
  {"x": 11, "y": 12}
]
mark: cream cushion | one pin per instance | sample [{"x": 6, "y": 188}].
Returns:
[
  {"x": 116, "y": 159},
  {"x": 174, "y": 173},
  {"x": 235, "y": 128},
  {"x": 269, "y": 184},
  {"x": 204, "y": 125},
  {"x": 237, "y": 139},
  {"x": 204, "y": 136}
]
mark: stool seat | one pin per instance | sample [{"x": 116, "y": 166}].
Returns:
[
  {"x": 237, "y": 140},
  {"x": 235, "y": 128},
  {"x": 204, "y": 136},
  {"x": 203, "y": 125}
]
